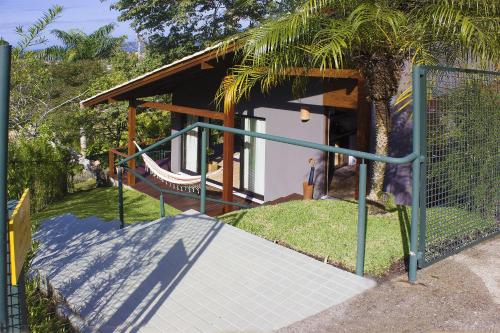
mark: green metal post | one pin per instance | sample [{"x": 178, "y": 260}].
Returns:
[
  {"x": 203, "y": 182},
  {"x": 360, "y": 256},
  {"x": 5, "y": 54},
  {"x": 418, "y": 107},
  {"x": 162, "y": 205},
  {"x": 120, "y": 196},
  {"x": 423, "y": 167}
]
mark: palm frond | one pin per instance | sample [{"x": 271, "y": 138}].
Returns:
[
  {"x": 69, "y": 38},
  {"x": 103, "y": 32},
  {"x": 32, "y": 36},
  {"x": 404, "y": 99},
  {"x": 52, "y": 53},
  {"x": 238, "y": 84},
  {"x": 468, "y": 26}
]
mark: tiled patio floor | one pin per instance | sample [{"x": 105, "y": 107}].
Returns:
[{"x": 189, "y": 273}]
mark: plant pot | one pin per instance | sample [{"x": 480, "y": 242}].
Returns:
[{"x": 308, "y": 191}]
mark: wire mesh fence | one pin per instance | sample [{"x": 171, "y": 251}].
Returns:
[{"x": 462, "y": 168}]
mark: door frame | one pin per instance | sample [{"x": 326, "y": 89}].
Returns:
[
  {"x": 183, "y": 146},
  {"x": 242, "y": 157}
]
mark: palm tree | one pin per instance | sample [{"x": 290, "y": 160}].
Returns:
[
  {"x": 80, "y": 46},
  {"x": 375, "y": 36}
]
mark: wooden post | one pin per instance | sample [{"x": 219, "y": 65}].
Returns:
[
  {"x": 132, "y": 110},
  {"x": 363, "y": 127},
  {"x": 111, "y": 164},
  {"x": 228, "y": 152}
]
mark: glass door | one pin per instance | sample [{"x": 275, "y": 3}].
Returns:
[
  {"x": 190, "y": 147},
  {"x": 254, "y": 154}
]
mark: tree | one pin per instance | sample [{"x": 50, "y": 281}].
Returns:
[
  {"x": 80, "y": 46},
  {"x": 33, "y": 36},
  {"x": 377, "y": 37},
  {"x": 106, "y": 125},
  {"x": 176, "y": 28},
  {"x": 31, "y": 83}
]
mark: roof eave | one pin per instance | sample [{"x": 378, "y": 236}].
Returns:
[{"x": 185, "y": 63}]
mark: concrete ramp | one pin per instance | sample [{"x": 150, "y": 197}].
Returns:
[{"x": 188, "y": 273}]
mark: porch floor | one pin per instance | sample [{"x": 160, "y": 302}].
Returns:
[{"x": 182, "y": 203}]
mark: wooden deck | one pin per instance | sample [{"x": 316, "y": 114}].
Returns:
[{"x": 182, "y": 203}]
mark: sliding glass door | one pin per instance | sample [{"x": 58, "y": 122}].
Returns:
[
  {"x": 254, "y": 155},
  {"x": 190, "y": 147}
]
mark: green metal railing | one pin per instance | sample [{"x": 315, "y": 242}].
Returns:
[{"x": 413, "y": 158}]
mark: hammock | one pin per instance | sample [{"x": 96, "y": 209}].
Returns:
[{"x": 174, "y": 180}]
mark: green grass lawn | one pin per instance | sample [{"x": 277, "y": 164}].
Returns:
[
  {"x": 103, "y": 203},
  {"x": 327, "y": 228}
]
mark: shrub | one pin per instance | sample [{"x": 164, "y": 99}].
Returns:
[
  {"x": 464, "y": 146},
  {"x": 38, "y": 164}
]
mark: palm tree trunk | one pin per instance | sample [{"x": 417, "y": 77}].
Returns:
[
  {"x": 382, "y": 72},
  {"x": 382, "y": 132}
]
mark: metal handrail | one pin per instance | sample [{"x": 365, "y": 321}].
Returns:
[
  {"x": 359, "y": 154},
  {"x": 181, "y": 194},
  {"x": 415, "y": 158}
]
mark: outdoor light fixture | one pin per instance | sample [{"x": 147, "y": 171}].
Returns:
[{"x": 305, "y": 114}]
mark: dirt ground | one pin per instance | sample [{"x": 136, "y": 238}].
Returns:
[{"x": 460, "y": 293}]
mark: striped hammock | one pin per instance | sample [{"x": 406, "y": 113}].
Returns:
[{"x": 174, "y": 180}]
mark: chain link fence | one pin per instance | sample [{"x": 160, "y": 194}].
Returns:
[{"x": 462, "y": 168}]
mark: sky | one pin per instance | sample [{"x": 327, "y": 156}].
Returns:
[{"x": 86, "y": 15}]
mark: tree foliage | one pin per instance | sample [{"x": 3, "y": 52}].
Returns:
[
  {"x": 177, "y": 28},
  {"x": 464, "y": 144},
  {"x": 376, "y": 37},
  {"x": 36, "y": 163},
  {"x": 78, "y": 45},
  {"x": 33, "y": 36},
  {"x": 106, "y": 125}
]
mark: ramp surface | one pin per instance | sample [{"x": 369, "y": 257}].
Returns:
[{"x": 189, "y": 273}]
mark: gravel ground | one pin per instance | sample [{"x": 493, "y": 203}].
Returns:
[{"x": 460, "y": 293}]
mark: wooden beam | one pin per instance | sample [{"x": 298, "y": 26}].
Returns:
[
  {"x": 206, "y": 65},
  {"x": 183, "y": 109},
  {"x": 342, "y": 93},
  {"x": 227, "y": 158},
  {"x": 325, "y": 73},
  {"x": 363, "y": 126},
  {"x": 132, "y": 111},
  {"x": 119, "y": 153},
  {"x": 322, "y": 73}
]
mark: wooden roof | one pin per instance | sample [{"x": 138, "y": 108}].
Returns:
[{"x": 159, "y": 80}]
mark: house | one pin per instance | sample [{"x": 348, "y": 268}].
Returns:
[{"x": 333, "y": 111}]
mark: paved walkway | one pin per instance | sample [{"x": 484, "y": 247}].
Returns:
[{"x": 188, "y": 274}]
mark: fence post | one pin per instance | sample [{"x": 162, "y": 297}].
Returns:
[
  {"x": 111, "y": 164},
  {"x": 419, "y": 95},
  {"x": 360, "y": 254},
  {"x": 162, "y": 205},
  {"x": 120, "y": 196},
  {"x": 5, "y": 54},
  {"x": 203, "y": 182}
]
